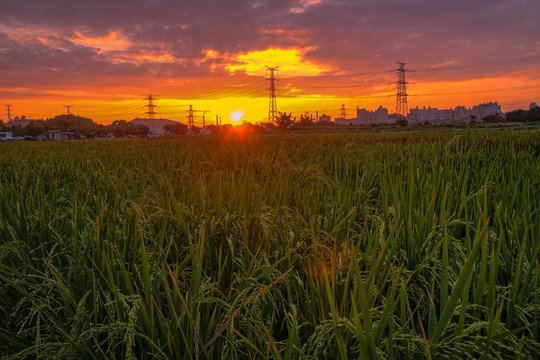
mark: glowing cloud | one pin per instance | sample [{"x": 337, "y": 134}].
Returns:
[
  {"x": 290, "y": 62},
  {"x": 113, "y": 41}
]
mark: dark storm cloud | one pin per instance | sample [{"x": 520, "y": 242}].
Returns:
[{"x": 350, "y": 36}]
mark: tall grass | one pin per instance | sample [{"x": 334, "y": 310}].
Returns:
[{"x": 313, "y": 247}]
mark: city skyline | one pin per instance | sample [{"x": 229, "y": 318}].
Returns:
[{"x": 212, "y": 55}]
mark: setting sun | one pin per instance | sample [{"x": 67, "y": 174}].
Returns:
[{"x": 236, "y": 116}]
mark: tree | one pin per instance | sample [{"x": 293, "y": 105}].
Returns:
[
  {"x": 402, "y": 122},
  {"x": 141, "y": 130},
  {"x": 533, "y": 114},
  {"x": 516, "y": 116},
  {"x": 177, "y": 129},
  {"x": 74, "y": 123},
  {"x": 306, "y": 120},
  {"x": 283, "y": 120},
  {"x": 493, "y": 118}
]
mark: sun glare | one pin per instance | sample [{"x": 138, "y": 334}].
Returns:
[{"x": 236, "y": 116}]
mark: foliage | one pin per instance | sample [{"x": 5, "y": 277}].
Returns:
[
  {"x": 517, "y": 116},
  {"x": 402, "y": 122},
  {"x": 306, "y": 120},
  {"x": 122, "y": 128},
  {"x": 493, "y": 118},
  {"x": 417, "y": 246},
  {"x": 177, "y": 129},
  {"x": 533, "y": 114},
  {"x": 284, "y": 120}
]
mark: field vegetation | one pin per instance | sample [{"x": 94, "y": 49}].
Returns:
[{"x": 397, "y": 246}]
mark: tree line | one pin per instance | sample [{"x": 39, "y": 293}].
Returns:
[{"x": 79, "y": 125}]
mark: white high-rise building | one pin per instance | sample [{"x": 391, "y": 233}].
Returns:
[
  {"x": 461, "y": 114},
  {"x": 483, "y": 110},
  {"x": 380, "y": 116}
]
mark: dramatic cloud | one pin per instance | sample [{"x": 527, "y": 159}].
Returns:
[{"x": 213, "y": 49}]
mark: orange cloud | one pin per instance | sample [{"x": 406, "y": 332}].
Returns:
[{"x": 114, "y": 41}]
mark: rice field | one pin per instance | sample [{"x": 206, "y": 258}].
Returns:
[{"x": 391, "y": 246}]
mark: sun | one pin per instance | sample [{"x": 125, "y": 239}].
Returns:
[{"x": 236, "y": 116}]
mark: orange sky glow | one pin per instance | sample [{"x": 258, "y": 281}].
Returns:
[{"x": 108, "y": 73}]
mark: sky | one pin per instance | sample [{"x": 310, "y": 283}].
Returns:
[{"x": 104, "y": 57}]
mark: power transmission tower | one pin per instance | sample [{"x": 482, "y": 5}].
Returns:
[
  {"x": 151, "y": 112},
  {"x": 272, "y": 107},
  {"x": 190, "y": 116},
  {"x": 343, "y": 113},
  {"x": 401, "y": 90},
  {"x": 68, "y": 108},
  {"x": 8, "y": 107}
]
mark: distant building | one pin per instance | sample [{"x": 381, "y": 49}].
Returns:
[
  {"x": 444, "y": 115},
  {"x": 154, "y": 125},
  {"x": 22, "y": 121},
  {"x": 325, "y": 118},
  {"x": 393, "y": 117},
  {"x": 461, "y": 114},
  {"x": 344, "y": 121},
  {"x": 380, "y": 116},
  {"x": 6, "y": 135},
  {"x": 483, "y": 110},
  {"x": 423, "y": 115},
  {"x": 532, "y": 105},
  {"x": 56, "y": 135},
  {"x": 366, "y": 117},
  {"x": 363, "y": 116}
]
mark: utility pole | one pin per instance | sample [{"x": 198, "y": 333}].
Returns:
[
  {"x": 151, "y": 112},
  {"x": 343, "y": 114},
  {"x": 272, "y": 107},
  {"x": 217, "y": 121},
  {"x": 68, "y": 108},
  {"x": 317, "y": 115},
  {"x": 203, "y": 118},
  {"x": 401, "y": 90},
  {"x": 8, "y": 107}
]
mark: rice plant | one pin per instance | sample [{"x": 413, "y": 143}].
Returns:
[{"x": 285, "y": 247}]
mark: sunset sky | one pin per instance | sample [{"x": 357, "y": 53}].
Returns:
[{"x": 104, "y": 56}]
